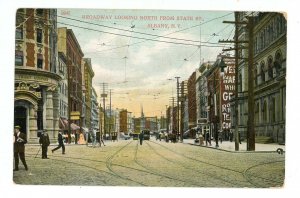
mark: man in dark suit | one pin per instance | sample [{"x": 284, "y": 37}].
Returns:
[
  {"x": 19, "y": 148},
  {"x": 60, "y": 143},
  {"x": 44, "y": 142},
  {"x": 141, "y": 136}
]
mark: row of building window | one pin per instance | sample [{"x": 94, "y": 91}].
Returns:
[
  {"x": 269, "y": 69},
  {"x": 63, "y": 89},
  {"x": 19, "y": 59},
  {"x": 265, "y": 112},
  {"x": 20, "y": 34},
  {"x": 61, "y": 67},
  {"x": 270, "y": 33},
  {"x": 63, "y": 108}
]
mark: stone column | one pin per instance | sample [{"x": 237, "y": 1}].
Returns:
[
  {"x": 49, "y": 112},
  {"x": 32, "y": 137},
  {"x": 55, "y": 113}
]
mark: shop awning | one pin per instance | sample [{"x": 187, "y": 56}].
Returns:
[{"x": 64, "y": 125}]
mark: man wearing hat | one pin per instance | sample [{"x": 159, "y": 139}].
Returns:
[
  {"x": 44, "y": 142},
  {"x": 19, "y": 148},
  {"x": 60, "y": 143}
]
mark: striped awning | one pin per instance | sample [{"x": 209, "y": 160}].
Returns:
[{"x": 64, "y": 124}]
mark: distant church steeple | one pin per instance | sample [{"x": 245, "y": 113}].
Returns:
[
  {"x": 142, "y": 118},
  {"x": 142, "y": 112}
]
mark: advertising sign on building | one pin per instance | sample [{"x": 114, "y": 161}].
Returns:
[{"x": 227, "y": 87}]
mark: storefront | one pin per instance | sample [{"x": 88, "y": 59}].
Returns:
[{"x": 36, "y": 103}]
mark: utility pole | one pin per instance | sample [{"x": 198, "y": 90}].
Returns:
[
  {"x": 178, "y": 131},
  {"x": 172, "y": 114},
  {"x": 182, "y": 97},
  {"x": 109, "y": 126},
  {"x": 236, "y": 90},
  {"x": 104, "y": 95},
  {"x": 167, "y": 117},
  {"x": 250, "y": 124},
  {"x": 100, "y": 125},
  {"x": 250, "y": 127}
]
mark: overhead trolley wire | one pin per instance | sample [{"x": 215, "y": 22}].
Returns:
[{"x": 148, "y": 39}]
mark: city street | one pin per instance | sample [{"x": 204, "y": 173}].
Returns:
[{"x": 155, "y": 163}]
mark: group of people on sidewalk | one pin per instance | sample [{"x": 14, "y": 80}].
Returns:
[
  {"x": 20, "y": 140},
  {"x": 19, "y": 146}
]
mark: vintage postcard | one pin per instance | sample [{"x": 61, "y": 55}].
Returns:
[{"x": 150, "y": 98}]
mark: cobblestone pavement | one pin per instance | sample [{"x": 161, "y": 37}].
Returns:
[{"x": 155, "y": 163}]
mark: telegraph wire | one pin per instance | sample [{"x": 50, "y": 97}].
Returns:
[
  {"x": 147, "y": 39},
  {"x": 143, "y": 33},
  {"x": 148, "y": 34},
  {"x": 173, "y": 33}
]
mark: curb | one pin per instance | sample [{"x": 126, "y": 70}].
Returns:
[{"x": 229, "y": 151}]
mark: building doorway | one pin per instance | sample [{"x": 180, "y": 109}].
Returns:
[{"x": 20, "y": 118}]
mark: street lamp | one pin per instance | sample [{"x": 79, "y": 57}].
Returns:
[{"x": 222, "y": 65}]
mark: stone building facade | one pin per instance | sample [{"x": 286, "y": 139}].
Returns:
[
  {"x": 68, "y": 44},
  {"x": 88, "y": 77},
  {"x": 36, "y": 104},
  {"x": 269, "y": 73}
]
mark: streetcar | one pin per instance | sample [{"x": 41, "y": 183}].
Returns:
[
  {"x": 135, "y": 135},
  {"x": 146, "y": 134}
]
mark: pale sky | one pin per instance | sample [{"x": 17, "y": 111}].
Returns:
[{"x": 137, "y": 70}]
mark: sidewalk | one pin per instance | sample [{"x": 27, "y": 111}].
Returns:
[{"x": 230, "y": 146}]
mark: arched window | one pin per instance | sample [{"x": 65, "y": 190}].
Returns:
[
  {"x": 270, "y": 67},
  {"x": 272, "y": 110},
  {"x": 265, "y": 112}
]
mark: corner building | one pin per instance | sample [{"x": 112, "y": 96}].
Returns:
[
  {"x": 36, "y": 105},
  {"x": 269, "y": 76}
]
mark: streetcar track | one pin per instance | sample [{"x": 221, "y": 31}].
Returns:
[
  {"x": 201, "y": 172},
  {"x": 221, "y": 167},
  {"x": 114, "y": 164},
  {"x": 109, "y": 164},
  {"x": 155, "y": 172},
  {"x": 247, "y": 176}
]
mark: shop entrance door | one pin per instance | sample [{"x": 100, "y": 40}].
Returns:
[{"x": 20, "y": 118}]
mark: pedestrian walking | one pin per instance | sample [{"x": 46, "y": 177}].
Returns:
[
  {"x": 221, "y": 136},
  {"x": 87, "y": 137},
  {"x": 141, "y": 137},
  {"x": 207, "y": 138},
  {"x": 240, "y": 139},
  {"x": 60, "y": 143},
  {"x": 159, "y": 136},
  {"x": 19, "y": 148},
  {"x": 93, "y": 133},
  {"x": 230, "y": 135},
  {"x": 44, "y": 142}
]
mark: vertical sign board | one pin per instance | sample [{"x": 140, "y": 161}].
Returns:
[{"x": 227, "y": 89}]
